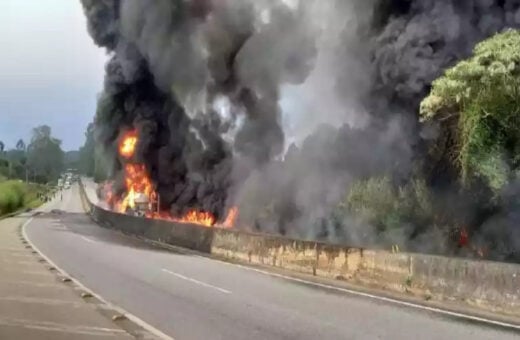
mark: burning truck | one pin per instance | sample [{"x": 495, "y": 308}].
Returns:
[{"x": 139, "y": 197}]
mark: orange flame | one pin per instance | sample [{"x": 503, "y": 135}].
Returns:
[
  {"x": 197, "y": 217},
  {"x": 231, "y": 217},
  {"x": 136, "y": 182},
  {"x": 128, "y": 143},
  {"x": 192, "y": 216},
  {"x": 108, "y": 193},
  {"x": 465, "y": 242},
  {"x": 139, "y": 184}
]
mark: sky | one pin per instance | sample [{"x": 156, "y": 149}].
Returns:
[{"x": 50, "y": 70}]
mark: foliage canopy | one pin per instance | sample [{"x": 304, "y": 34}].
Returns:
[
  {"x": 483, "y": 95},
  {"x": 44, "y": 155}
]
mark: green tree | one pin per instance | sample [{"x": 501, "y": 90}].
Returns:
[
  {"x": 477, "y": 105},
  {"x": 5, "y": 165},
  {"x": 20, "y": 145},
  {"x": 44, "y": 155},
  {"x": 92, "y": 159},
  {"x": 17, "y": 160},
  {"x": 101, "y": 165},
  {"x": 87, "y": 152}
]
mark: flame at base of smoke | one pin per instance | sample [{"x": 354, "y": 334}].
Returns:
[{"x": 140, "y": 196}]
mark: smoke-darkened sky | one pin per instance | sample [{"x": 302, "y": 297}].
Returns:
[{"x": 50, "y": 71}]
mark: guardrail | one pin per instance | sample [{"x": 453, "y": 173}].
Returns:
[{"x": 488, "y": 285}]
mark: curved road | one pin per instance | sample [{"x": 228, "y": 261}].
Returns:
[{"x": 192, "y": 297}]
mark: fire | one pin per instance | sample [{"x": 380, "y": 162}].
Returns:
[
  {"x": 197, "y": 217},
  {"x": 141, "y": 196},
  {"x": 464, "y": 242},
  {"x": 136, "y": 182},
  {"x": 108, "y": 193},
  {"x": 463, "y": 237},
  {"x": 192, "y": 216},
  {"x": 229, "y": 222},
  {"x": 128, "y": 143}
]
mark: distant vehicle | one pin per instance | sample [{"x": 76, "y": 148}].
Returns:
[{"x": 67, "y": 185}]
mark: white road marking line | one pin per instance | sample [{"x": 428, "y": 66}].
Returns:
[
  {"x": 60, "y": 227},
  {"x": 372, "y": 296},
  {"x": 57, "y": 327},
  {"x": 110, "y": 305},
  {"x": 196, "y": 281},
  {"x": 88, "y": 239}
]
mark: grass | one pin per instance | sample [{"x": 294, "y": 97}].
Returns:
[{"x": 16, "y": 195}]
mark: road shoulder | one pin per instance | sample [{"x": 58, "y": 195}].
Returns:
[{"x": 36, "y": 302}]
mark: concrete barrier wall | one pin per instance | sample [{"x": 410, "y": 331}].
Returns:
[
  {"x": 490, "y": 285},
  {"x": 182, "y": 235}
]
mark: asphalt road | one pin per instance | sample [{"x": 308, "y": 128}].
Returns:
[{"x": 192, "y": 297}]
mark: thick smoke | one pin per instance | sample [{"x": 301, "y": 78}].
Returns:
[
  {"x": 376, "y": 61},
  {"x": 420, "y": 38},
  {"x": 240, "y": 102},
  {"x": 171, "y": 62}
]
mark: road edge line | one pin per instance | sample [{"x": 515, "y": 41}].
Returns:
[
  {"x": 118, "y": 309},
  {"x": 390, "y": 300},
  {"x": 408, "y": 304}
]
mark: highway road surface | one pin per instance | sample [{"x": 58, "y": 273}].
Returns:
[{"x": 192, "y": 297}]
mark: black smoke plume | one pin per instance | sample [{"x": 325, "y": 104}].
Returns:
[
  {"x": 172, "y": 61},
  {"x": 206, "y": 83}
]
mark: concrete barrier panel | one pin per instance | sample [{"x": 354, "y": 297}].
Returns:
[{"x": 492, "y": 285}]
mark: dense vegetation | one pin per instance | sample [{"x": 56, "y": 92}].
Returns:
[
  {"x": 475, "y": 108},
  {"x": 41, "y": 161},
  {"x": 26, "y": 170},
  {"x": 45, "y": 158},
  {"x": 91, "y": 162},
  {"x": 15, "y": 195},
  {"x": 482, "y": 96}
]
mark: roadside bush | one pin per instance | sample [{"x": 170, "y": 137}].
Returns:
[
  {"x": 11, "y": 197},
  {"x": 4, "y": 171},
  {"x": 378, "y": 202},
  {"x": 373, "y": 202},
  {"x": 15, "y": 195}
]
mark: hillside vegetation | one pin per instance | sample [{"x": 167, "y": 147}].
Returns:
[
  {"x": 477, "y": 103},
  {"x": 475, "y": 109},
  {"x": 16, "y": 195}
]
